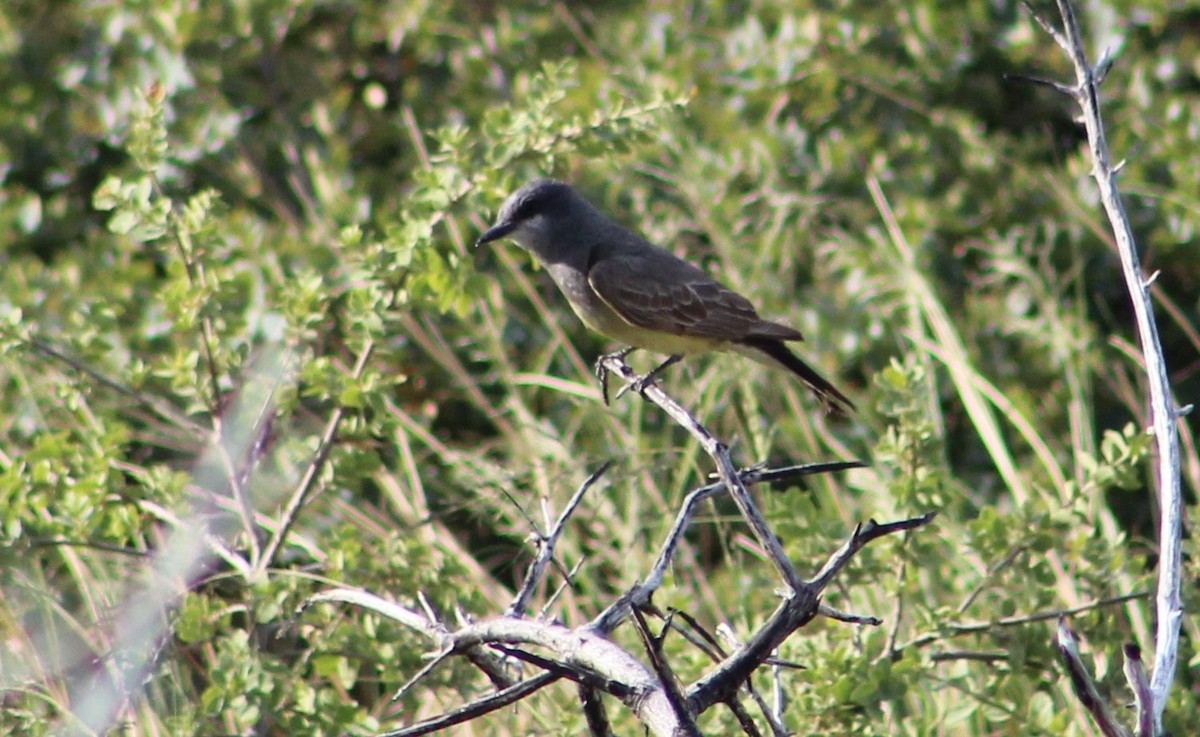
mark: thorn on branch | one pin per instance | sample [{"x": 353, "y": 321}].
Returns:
[
  {"x": 434, "y": 662},
  {"x": 787, "y": 473},
  {"x": 430, "y": 613},
  {"x": 849, "y": 618},
  {"x": 567, "y": 582},
  {"x": 1046, "y": 25},
  {"x": 1152, "y": 278},
  {"x": 1103, "y": 66},
  {"x": 1068, "y": 90}
]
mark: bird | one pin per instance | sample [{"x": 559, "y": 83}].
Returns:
[{"x": 632, "y": 291}]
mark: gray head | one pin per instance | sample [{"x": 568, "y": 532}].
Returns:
[{"x": 543, "y": 217}]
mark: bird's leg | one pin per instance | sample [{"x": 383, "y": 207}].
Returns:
[
  {"x": 642, "y": 382},
  {"x": 602, "y": 372}
]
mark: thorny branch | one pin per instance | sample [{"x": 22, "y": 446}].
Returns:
[
  {"x": 586, "y": 655},
  {"x": 1163, "y": 412}
]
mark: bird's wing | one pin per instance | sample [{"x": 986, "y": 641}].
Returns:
[{"x": 662, "y": 293}]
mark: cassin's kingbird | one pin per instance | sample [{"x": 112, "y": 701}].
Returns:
[{"x": 634, "y": 292}]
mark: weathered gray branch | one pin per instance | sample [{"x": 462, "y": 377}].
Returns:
[
  {"x": 586, "y": 655},
  {"x": 1163, "y": 412}
]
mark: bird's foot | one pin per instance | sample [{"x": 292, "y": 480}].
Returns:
[
  {"x": 602, "y": 372},
  {"x": 639, "y": 384}
]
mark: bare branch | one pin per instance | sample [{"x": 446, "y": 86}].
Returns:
[
  {"x": 1085, "y": 687},
  {"x": 666, "y": 676},
  {"x": 616, "y": 364},
  {"x": 744, "y": 720},
  {"x": 428, "y": 668},
  {"x": 379, "y": 605},
  {"x": 847, "y": 617},
  {"x": 586, "y": 656},
  {"x": 1163, "y": 414},
  {"x": 1135, "y": 674},
  {"x": 308, "y": 482},
  {"x": 533, "y": 575},
  {"x": 772, "y": 713},
  {"x": 863, "y": 535},
  {"x": 1046, "y": 25},
  {"x": 571, "y": 672},
  {"x": 980, "y": 657},
  {"x": 639, "y": 595},
  {"x": 965, "y": 628},
  {"x": 796, "y": 611},
  {"x": 779, "y": 697},
  {"x": 161, "y": 407},
  {"x": 696, "y": 634},
  {"x": 593, "y": 711},
  {"x": 566, "y": 582},
  {"x": 478, "y": 708}
]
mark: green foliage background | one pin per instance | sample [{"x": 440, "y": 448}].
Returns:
[{"x": 196, "y": 198}]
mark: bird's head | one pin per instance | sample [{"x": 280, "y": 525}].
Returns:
[{"x": 537, "y": 215}]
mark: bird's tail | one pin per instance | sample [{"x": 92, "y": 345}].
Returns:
[{"x": 776, "y": 352}]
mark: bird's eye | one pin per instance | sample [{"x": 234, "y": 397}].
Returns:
[
  {"x": 525, "y": 210},
  {"x": 540, "y": 201}
]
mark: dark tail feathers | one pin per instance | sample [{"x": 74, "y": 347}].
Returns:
[{"x": 833, "y": 399}]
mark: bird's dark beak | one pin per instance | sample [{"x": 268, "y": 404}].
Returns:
[{"x": 497, "y": 231}]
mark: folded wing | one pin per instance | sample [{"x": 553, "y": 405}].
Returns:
[{"x": 665, "y": 294}]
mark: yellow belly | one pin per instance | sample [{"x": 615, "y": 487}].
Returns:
[{"x": 609, "y": 324}]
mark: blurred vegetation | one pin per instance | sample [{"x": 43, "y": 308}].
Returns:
[{"x": 187, "y": 187}]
